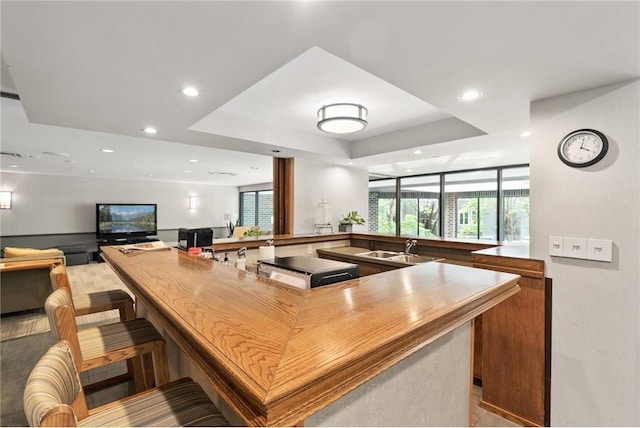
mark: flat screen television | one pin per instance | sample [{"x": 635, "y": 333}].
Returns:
[{"x": 123, "y": 221}]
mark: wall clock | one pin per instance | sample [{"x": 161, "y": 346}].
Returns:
[{"x": 584, "y": 147}]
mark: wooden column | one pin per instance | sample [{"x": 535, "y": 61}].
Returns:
[{"x": 282, "y": 196}]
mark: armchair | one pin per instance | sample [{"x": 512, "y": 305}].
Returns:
[{"x": 24, "y": 278}]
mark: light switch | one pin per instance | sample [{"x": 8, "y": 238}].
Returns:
[
  {"x": 600, "y": 249},
  {"x": 575, "y": 247},
  {"x": 555, "y": 246}
]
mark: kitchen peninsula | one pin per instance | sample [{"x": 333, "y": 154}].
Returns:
[{"x": 334, "y": 355}]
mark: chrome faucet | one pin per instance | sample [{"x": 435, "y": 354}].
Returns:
[{"x": 407, "y": 246}]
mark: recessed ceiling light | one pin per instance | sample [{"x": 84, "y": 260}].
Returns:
[
  {"x": 193, "y": 160},
  {"x": 470, "y": 95},
  {"x": 150, "y": 130},
  {"x": 350, "y": 163},
  {"x": 187, "y": 170},
  {"x": 525, "y": 134},
  {"x": 91, "y": 171},
  {"x": 14, "y": 166},
  {"x": 417, "y": 152},
  {"x": 106, "y": 150},
  {"x": 190, "y": 91},
  {"x": 149, "y": 175},
  {"x": 409, "y": 170}
]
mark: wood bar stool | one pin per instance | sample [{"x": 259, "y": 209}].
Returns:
[
  {"x": 53, "y": 396},
  {"x": 98, "y": 346},
  {"x": 99, "y": 301}
]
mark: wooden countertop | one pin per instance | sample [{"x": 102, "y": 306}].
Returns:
[
  {"x": 229, "y": 244},
  {"x": 11, "y": 266},
  {"x": 278, "y": 354},
  {"x": 520, "y": 251},
  {"x": 352, "y": 254}
]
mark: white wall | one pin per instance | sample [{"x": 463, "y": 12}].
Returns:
[
  {"x": 345, "y": 188},
  {"x": 596, "y": 306},
  {"x": 44, "y": 204}
]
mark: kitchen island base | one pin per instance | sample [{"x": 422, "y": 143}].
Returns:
[{"x": 430, "y": 387}]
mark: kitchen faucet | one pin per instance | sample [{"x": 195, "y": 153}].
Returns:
[{"x": 407, "y": 246}]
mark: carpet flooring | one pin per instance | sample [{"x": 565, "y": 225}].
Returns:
[{"x": 15, "y": 366}]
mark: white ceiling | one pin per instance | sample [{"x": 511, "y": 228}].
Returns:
[{"x": 265, "y": 68}]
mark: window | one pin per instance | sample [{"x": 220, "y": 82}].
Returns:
[
  {"x": 420, "y": 206},
  {"x": 256, "y": 209},
  {"x": 471, "y": 204},
  {"x": 490, "y": 204},
  {"x": 382, "y": 206},
  {"x": 463, "y": 218},
  {"x": 515, "y": 205}
]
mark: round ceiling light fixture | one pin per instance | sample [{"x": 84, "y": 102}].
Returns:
[{"x": 342, "y": 118}]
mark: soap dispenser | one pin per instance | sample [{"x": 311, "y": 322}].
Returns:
[{"x": 241, "y": 260}]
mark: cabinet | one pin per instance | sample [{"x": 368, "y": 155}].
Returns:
[{"x": 515, "y": 343}]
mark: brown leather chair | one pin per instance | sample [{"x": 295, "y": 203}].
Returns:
[{"x": 53, "y": 396}]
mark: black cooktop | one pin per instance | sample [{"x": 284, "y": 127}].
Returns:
[{"x": 308, "y": 265}]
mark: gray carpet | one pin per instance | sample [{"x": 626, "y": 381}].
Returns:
[{"x": 17, "y": 359}]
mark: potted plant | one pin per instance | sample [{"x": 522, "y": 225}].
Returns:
[{"x": 347, "y": 222}]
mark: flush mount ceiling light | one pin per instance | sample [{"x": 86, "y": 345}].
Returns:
[
  {"x": 343, "y": 118},
  {"x": 150, "y": 130}
]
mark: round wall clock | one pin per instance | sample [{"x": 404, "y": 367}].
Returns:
[{"x": 584, "y": 147}]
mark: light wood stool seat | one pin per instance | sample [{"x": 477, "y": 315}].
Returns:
[
  {"x": 53, "y": 396},
  {"x": 136, "y": 340},
  {"x": 91, "y": 303}
]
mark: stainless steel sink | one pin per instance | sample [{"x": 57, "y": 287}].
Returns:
[
  {"x": 413, "y": 259},
  {"x": 379, "y": 254}
]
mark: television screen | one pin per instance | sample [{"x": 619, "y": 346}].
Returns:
[{"x": 115, "y": 221}]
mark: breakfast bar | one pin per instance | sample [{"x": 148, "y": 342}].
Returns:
[{"x": 278, "y": 355}]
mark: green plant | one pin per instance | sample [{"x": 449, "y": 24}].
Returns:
[
  {"x": 352, "y": 217},
  {"x": 254, "y": 231}
]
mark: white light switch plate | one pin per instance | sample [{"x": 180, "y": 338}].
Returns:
[
  {"x": 555, "y": 246},
  {"x": 575, "y": 247},
  {"x": 600, "y": 249}
]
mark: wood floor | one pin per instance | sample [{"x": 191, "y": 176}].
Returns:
[{"x": 98, "y": 276}]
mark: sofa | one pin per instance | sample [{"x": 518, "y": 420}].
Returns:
[{"x": 24, "y": 277}]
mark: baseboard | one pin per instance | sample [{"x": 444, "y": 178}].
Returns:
[{"x": 507, "y": 415}]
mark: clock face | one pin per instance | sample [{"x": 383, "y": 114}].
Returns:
[{"x": 583, "y": 148}]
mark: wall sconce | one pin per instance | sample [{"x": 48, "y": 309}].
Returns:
[
  {"x": 193, "y": 202},
  {"x": 5, "y": 200}
]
